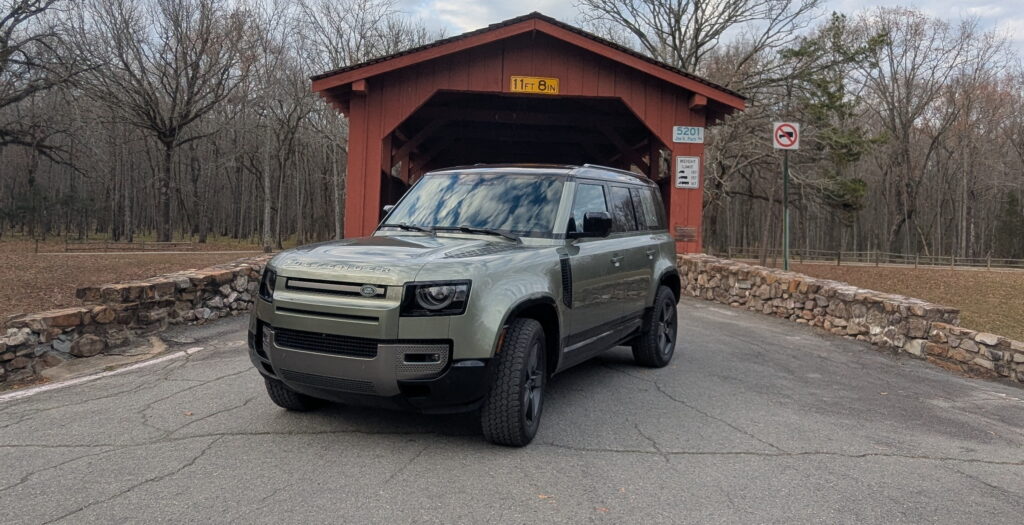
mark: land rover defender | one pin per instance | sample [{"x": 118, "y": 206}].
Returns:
[{"x": 477, "y": 287}]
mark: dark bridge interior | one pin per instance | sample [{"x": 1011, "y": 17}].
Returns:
[{"x": 466, "y": 128}]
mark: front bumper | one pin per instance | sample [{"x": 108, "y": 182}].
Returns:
[{"x": 407, "y": 374}]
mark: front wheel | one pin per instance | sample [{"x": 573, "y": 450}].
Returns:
[
  {"x": 287, "y": 398},
  {"x": 656, "y": 343},
  {"x": 511, "y": 414}
]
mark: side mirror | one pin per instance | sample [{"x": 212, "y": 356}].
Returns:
[
  {"x": 388, "y": 208},
  {"x": 597, "y": 224}
]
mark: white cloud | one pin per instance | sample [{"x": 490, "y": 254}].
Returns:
[
  {"x": 1013, "y": 28},
  {"x": 458, "y": 16},
  {"x": 467, "y": 15}
]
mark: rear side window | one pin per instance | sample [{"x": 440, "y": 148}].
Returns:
[
  {"x": 650, "y": 208},
  {"x": 623, "y": 217},
  {"x": 642, "y": 214},
  {"x": 589, "y": 197}
]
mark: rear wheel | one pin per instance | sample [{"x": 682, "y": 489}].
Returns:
[
  {"x": 511, "y": 414},
  {"x": 287, "y": 398},
  {"x": 656, "y": 343}
]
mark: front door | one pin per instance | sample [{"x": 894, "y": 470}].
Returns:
[{"x": 597, "y": 266}]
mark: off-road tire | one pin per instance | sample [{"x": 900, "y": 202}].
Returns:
[
  {"x": 289, "y": 399},
  {"x": 506, "y": 413},
  {"x": 655, "y": 345}
]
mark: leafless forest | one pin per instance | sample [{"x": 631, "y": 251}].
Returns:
[{"x": 193, "y": 118}]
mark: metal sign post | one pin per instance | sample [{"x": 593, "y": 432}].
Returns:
[{"x": 785, "y": 136}]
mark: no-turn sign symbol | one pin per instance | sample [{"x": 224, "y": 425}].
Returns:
[{"x": 786, "y": 135}]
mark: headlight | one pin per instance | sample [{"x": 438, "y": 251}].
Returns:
[
  {"x": 267, "y": 284},
  {"x": 435, "y": 298}
]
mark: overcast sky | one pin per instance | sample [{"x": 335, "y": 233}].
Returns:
[{"x": 465, "y": 15}]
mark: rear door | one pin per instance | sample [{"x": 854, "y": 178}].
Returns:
[{"x": 631, "y": 241}]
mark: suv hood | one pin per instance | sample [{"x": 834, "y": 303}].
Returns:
[{"x": 385, "y": 259}]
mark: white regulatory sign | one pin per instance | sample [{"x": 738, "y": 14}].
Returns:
[
  {"x": 691, "y": 134},
  {"x": 786, "y": 135},
  {"x": 688, "y": 172}
]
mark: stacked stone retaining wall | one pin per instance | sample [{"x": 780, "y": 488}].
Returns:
[
  {"x": 919, "y": 328},
  {"x": 112, "y": 315}
]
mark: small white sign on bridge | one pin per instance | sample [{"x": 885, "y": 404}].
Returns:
[{"x": 688, "y": 173}]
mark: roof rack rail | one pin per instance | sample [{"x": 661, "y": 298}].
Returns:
[{"x": 616, "y": 170}]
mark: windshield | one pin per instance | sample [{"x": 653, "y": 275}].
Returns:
[{"x": 523, "y": 205}]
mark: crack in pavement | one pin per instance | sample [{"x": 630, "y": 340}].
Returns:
[
  {"x": 168, "y": 439},
  {"x": 691, "y": 407},
  {"x": 216, "y": 413},
  {"x": 153, "y": 479},
  {"x": 783, "y": 454},
  {"x": 28, "y": 476},
  {"x": 1013, "y": 495},
  {"x": 651, "y": 440},
  {"x": 405, "y": 465}
]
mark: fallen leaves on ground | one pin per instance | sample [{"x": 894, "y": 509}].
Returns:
[
  {"x": 989, "y": 301},
  {"x": 35, "y": 282}
]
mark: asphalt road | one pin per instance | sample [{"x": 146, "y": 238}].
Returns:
[{"x": 756, "y": 420}]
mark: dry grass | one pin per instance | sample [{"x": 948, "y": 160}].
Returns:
[
  {"x": 990, "y": 301},
  {"x": 33, "y": 282}
]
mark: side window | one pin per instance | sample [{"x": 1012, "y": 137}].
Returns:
[
  {"x": 642, "y": 214},
  {"x": 589, "y": 197},
  {"x": 623, "y": 219},
  {"x": 659, "y": 209},
  {"x": 653, "y": 211}
]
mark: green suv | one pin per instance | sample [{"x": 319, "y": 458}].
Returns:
[{"x": 479, "y": 285}]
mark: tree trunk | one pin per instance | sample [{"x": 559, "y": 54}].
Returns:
[{"x": 163, "y": 222}]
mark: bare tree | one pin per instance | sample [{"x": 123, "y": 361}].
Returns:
[
  {"x": 161, "y": 65},
  {"x": 32, "y": 61},
  {"x": 684, "y": 33}
]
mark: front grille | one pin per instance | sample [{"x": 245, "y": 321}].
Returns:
[
  {"x": 336, "y": 288},
  {"x": 333, "y": 383},
  {"x": 326, "y": 343}
]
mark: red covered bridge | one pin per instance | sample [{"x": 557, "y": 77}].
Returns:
[{"x": 529, "y": 89}]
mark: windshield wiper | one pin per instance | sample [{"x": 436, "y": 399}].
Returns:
[
  {"x": 485, "y": 231},
  {"x": 409, "y": 227}
]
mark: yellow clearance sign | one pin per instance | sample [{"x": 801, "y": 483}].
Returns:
[{"x": 543, "y": 85}]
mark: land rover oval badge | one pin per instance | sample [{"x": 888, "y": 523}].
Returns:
[{"x": 368, "y": 290}]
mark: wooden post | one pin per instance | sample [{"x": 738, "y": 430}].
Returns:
[
  {"x": 988, "y": 261},
  {"x": 952, "y": 262},
  {"x": 37, "y": 245},
  {"x": 839, "y": 257},
  {"x": 917, "y": 259},
  {"x": 876, "y": 257}
]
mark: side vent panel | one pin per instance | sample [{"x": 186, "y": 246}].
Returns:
[{"x": 566, "y": 280}]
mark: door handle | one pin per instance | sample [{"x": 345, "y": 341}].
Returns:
[
  {"x": 616, "y": 260},
  {"x": 651, "y": 252}
]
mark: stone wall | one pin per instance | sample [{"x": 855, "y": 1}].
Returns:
[
  {"x": 919, "y": 328},
  {"x": 112, "y": 315}
]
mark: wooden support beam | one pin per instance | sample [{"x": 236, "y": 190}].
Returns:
[
  {"x": 628, "y": 153},
  {"x": 531, "y": 118},
  {"x": 417, "y": 139},
  {"x": 698, "y": 101},
  {"x": 359, "y": 86},
  {"x": 431, "y": 152}
]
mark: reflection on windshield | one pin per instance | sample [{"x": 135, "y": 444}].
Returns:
[{"x": 516, "y": 204}]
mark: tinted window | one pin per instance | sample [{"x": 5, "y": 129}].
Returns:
[
  {"x": 659, "y": 208},
  {"x": 638, "y": 208},
  {"x": 589, "y": 197},
  {"x": 622, "y": 210},
  {"x": 653, "y": 212},
  {"x": 517, "y": 204}
]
